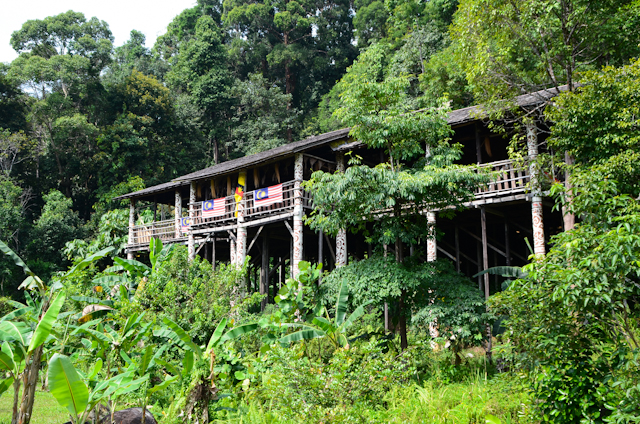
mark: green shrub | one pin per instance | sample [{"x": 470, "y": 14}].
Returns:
[{"x": 192, "y": 294}]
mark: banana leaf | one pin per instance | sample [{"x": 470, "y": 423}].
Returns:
[{"x": 66, "y": 386}]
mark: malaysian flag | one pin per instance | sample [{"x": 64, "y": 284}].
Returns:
[
  {"x": 267, "y": 196},
  {"x": 214, "y": 207},
  {"x": 185, "y": 223}
]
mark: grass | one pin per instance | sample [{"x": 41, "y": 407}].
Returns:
[
  {"x": 469, "y": 402},
  {"x": 46, "y": 409}
]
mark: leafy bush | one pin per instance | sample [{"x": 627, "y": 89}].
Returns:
[
  {"x": 573, "y": 322},
  {"x": 298, "y": 388},
  {"x": 192, "y": 294},
  {"x": 438, "y": 294}
]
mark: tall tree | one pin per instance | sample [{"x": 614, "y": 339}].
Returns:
[{"x": 394, "y": 195}]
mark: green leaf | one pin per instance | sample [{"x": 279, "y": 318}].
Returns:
[
  {"x": 341, "y": 304},
  {"x": 183, "y": 336},
  {"x": 187, "y": 363},
  {"x": 503, "y": 271},
  {"x": 238, "y": 331},
  {"x": 490, "y": 419},
  {"x": 360, "y": 310},
  {"x": 133, "y": 266},
  {"x": 18, "y": 331},
  {"x": 145, "y": 360},
  {"x": 170, "y": 367},
  {"x": 163, "y": 385},
  {"x": 89, "y": 260},
  {"x": 308, "y": 334},
  {"x": 15, "y": 258},
  {"x": 110, "y": 280},
  {"x": 5, "y": 384},
  {"x": 44, "y": 326},
  {"x": 65, "y": 385},
  {"x": 6, "y": 361},
  {"x": 96, "y": 369},
  {"x": 217, "y": 334},
  {"x": 15, "y": 314}
]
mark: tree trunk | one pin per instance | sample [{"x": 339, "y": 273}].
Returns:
[
  {"x": 568, "y": 217},
  {"x": 30, "y": 378},
  {"x": 402, "y": 316},
  {"x": 16, "y": 392}
]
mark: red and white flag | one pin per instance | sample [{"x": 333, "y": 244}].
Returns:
[
  {"x": 267, "y": 196},
  {"x": 213, "y": 207}
]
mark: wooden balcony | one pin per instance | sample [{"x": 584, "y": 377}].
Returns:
[{"x": 509, "y": 184}]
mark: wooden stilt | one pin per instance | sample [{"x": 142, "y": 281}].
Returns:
[
  {"x": 213, "y": 253},
  {"x": 320, "y": 253},
  {"x": 507, "y": 243},
  {"x": 485, "y": 264},
  {"x": 264, "y": 277},
  {"x": 457, "y": 242}
]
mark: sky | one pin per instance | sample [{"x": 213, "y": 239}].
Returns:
[{"x": 150, "y": 17}]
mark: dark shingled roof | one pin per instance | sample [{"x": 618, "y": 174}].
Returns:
[
  {"x": 258, "y": 158},
  {"x": 456, "y": 117},
  {"x": 244, "y": 162},
  {"x": 171, "y": 185},
  {"x": 473, "y": 113}
]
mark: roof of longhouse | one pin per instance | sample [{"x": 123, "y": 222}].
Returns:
[{"x": 456, "y": 117}]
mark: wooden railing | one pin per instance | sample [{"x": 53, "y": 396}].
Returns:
[
  {"x": 165, "y": 230},
  {"x": 229, "y": 214},
  {"x": 508, "y": 179}
]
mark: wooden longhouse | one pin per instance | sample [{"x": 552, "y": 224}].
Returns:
[{"x": 222, "y": 212}]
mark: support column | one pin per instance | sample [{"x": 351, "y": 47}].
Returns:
[
  {"x": 191, "y": 242},
  {"x": 297, "y": 215},
  {"x": 320, "y": 253},
  {"x": 264, "y": 271},
  {"x": 431, "y": 238},
  {"x": 341, "y": 237},
  {"x": 132, "y": 222},
  {"x": 536, "y": 192},
  {"x": 241, "y": 234},
  {"x": 213, "y": 253},
  {"x": 178, "y": 212},
  {"x": 232, "y": 250}
]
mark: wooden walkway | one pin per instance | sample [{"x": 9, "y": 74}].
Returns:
[{"x": 509, "y": 184}]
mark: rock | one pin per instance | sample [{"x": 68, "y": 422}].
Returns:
[{"x": 130, "y": 416}]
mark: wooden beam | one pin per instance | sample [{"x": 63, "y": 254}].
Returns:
[
  {"x": 333, "y": 253},
  {"x": 254, "y": 239},
  {"x": 286, "y": 224},
  {"x": 264, "y": 272},
  {"x": 447, "y": 254},
  {"x": 233, "y": 236},
  {"x": 485, "y": 253}
]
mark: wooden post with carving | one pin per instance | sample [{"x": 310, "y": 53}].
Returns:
[{"x": 297, "y": 214}]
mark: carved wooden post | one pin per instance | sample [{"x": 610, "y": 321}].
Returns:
[
  {"x": 132, "y": 221},
  {"x": 241, "y": 234},
  {"x": 191, "y": 243},
  {"x": 536, "y": 191},
  {"x": 297, "y": 215},
  {"x": 431, "y": 238},
  {"x": 341, "y": 237},
  {"x": 320, "y": 253},
  {"x": 178, "y": 212},
  {"x": 233, "y": 251}
]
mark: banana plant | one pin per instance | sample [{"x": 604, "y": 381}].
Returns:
[
  {"x": 23, "y": 340},
  {"x": 200, "y": 393},
  {"x": 334, "y": 329},
  {"x": 68, "y": 388}
]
